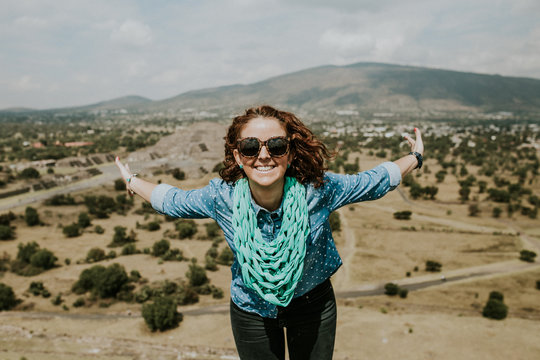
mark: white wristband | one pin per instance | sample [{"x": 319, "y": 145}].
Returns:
[{"x": 129, "y": 180}]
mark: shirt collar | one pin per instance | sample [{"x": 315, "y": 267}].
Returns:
[{"x": 257, "y": 208}]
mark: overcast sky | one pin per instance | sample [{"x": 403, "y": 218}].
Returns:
[{"x": 57, "y": 53}]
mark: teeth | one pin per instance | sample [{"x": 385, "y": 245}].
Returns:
[{"x": 264, "y": 168}]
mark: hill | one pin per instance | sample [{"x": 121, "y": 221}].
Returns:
[{"x": 365, "y": 87}]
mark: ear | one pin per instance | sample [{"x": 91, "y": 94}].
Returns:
[{"x": 237, "y": 157}]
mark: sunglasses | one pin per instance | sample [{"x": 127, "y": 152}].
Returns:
[{"x": 276, "y": 146}]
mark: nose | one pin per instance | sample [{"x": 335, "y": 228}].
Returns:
[{"x": 263, "y": 154}]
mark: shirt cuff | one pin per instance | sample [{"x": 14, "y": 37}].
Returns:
[
  {"x": 157, "y": 198},
  {"x": 393, "y": 172}
]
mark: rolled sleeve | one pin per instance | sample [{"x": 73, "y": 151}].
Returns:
[
  {"x": 393, "y": 172},
  {"x": 157, "y": 198}
]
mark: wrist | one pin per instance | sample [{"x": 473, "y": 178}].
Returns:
[
  {"x": 129, "y": 180},
  {"x": 419, "y": 159}
]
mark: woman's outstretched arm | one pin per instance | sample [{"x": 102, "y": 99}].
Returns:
[
  {"x": 136, "y": 185},
  {"x": 409, "y": 162}
]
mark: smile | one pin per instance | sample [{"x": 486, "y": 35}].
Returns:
[{"x": 264, "y": 168}]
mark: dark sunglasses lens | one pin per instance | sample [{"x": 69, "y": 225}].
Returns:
[
  {"x": 277, "y": 146},
  {"x": 249, "y": 147}
]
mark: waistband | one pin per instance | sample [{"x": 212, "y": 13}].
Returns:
[{"x": 311, "y": 294}]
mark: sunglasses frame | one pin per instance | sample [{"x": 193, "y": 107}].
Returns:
[{"x": 264, "y": 143}]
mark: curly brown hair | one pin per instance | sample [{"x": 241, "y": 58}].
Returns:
[{"x": 309, "y": 153}]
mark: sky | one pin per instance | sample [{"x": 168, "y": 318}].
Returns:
[{"x": 59, "y": 53}]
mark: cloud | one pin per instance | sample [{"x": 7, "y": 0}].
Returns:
[
  {"x": 26, "y": 83},
  {"x": 133, "y": 33},
  {"x": 30, "y": 22}
]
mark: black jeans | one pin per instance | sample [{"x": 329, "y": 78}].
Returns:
[{"x": 311, "y": 328}]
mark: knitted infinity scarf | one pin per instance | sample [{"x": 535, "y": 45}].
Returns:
[{"x": 271, "y": 269}]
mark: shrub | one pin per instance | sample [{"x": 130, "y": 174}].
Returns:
[
  {"x": 403, "y": 215},
  {"x": 26, "y": 251},
  {"x": 527, "y": 255},
  {"x": 161, "y": 314},
  {"x": 6, "y": 233},
  {"x": 129, "y": 249},
  {"x": 196, "y": 275},
  {"x": 29, "y": 173},
  {"x": 173, "y": 255},
  {"x": 44, "y": 259},
  {"x": 178, "y": 174},
  {"x": 496, "y": 295},
  {"x": 335, "y": 222},
  {"x": 153, "y": 226},
  {"x": 474, "y": 210},
  {"x": 217, "y": 293},
  {"x": 59, "y": 200},
  {"x": 160, "y": 247},
  {"x": 186, "y": 228},
  {"x": 112, "y": 280},
  {"x": 391, "y": 289},
  {"x": 433, "y": 266},
  {"x": 496, "y": 212},
  {"x": 495, "y": 309},
  {"x": 88, "y": 279},
  {"x": 72, "y": 230},
  {"x": 84, "y": 220},
  {"x": 212, "y": 230},
  {"x": 95, "y": 254},
  {"x": 100, "y": 206},
  {"x": 120, "y": 238},
  {"x": 119, "y": 185},
  {"x": 57, "y": 300},
  {"x": 5, "y": 219},
  {"x": 98, "y": 229},
  {"x": 79, "y": 302},
  {"x": 226, "y": 257},
  {"x": 7, "y": 297},
  {"x": 538, "y": 284},
  {"x": 210, "y": 263},
  {"x": 31, "y": 216},
  {"x": 403, "y": 293}
]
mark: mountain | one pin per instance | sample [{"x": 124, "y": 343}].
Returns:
[
  {"x": 373, "y": 87},
  {"x": 369, "y": 87}
]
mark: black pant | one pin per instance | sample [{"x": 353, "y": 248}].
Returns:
[{"x": 311, "y": 328}]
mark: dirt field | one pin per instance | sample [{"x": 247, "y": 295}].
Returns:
[{"x": 437, "y": 322}]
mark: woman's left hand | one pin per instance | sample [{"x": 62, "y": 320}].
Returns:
[{"x": 416, "y": 145}]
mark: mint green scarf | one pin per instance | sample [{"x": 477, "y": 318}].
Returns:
[{"x": 272, "y": 269}]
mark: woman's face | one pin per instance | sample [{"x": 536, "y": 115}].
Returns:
[{"x": 264, "y": 171}]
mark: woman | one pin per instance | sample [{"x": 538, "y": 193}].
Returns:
[{"x": 273, "y": 204}]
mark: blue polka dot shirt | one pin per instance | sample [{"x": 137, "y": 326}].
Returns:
[{"x": 322, "y": 259}]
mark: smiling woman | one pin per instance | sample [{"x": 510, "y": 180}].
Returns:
[{"x": 273, "y": 203}]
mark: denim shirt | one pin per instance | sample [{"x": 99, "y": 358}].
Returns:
[{"x": 322, "y": 259}]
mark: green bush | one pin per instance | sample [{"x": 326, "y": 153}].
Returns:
[
  {"x": 403, "y": 293},
  {"x": 84, "y": 220},
  {"x": 103, "y": 281},
  {"x": 129, "y": 249},
  {"x": 72, "y": 230},
  {"x": 527, "y": 255},
  {"x": 160, "y": 247},
  {"x": 59, "y": 200},
  {"x": 7, "y": 297},
  {"x": 403, "y": 215},
  {"x": 178, "y": 174},
  {"x": 153, "y": 226},
  {"x": 212, "y": 230},
  {"x": 538, "y": 284},
  {"x": 173, "y": 255},
  {"x": 495, "y": 309},
  {"x": 120, "y": 238},
  {"x": 6, "y": 233},
  {"x": 391, "y": 289},
  {"x": 433, "y": 266},
  {"x": 95, "y": 254},
  {"x": 36, "y": 288},
  {"x": 31, "y": 216},
  {"x": 210, "y": 263},
  {"x": 119, "y": 185},
  {"x": 226, "y": 257},
  {"x": 98, "y": 229},
  {"x": 29, "y": 173},
  {"x": 161, "y": 314},
  {"x": 44, "y": 259},
  {"x": 186, "y": 228},
  {"x": 79, "y": 302},
  {"x": 496, "y": 295},
  {"x": 26, "y": 251},
  {"x": 196, "y": 275}
]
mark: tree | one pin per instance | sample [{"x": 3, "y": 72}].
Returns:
[
  {"x": 29, "y": 173},
  {"x": 120, "y": 238},
  {"x": 495, "y": 307},
  {"x": 178, "y": 174},
  {"x": 44, "y": 259},
  {"x": 403, "y": 215},
  {"x": 433, "y": 266},
  {"x": 7, "y": 297},
  {"x": 527, "y": 255},
  {"x": 119, "y": 185},
  {"x": 225, "y": 257},
  {"x": 186, "y": 228},
  {"x": 113, "y": 279},
  {"x": 6, "y": 233},
  {"x": 160, "y": 247},
  {"x": 95, "y": 254},
  {"x": 496, "y": 212},
  {"x": 84, "y": 220},
  {"x": 196, "y": 275},
  {"x": 474, "y": 210},
  {"x": 162, "y": 314},
  {"x": 31, "y": 216},
  {"x": 72, "y": 230},
  {"x": 391, "y": 289},
  {"x": 26, "y": 251}
]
